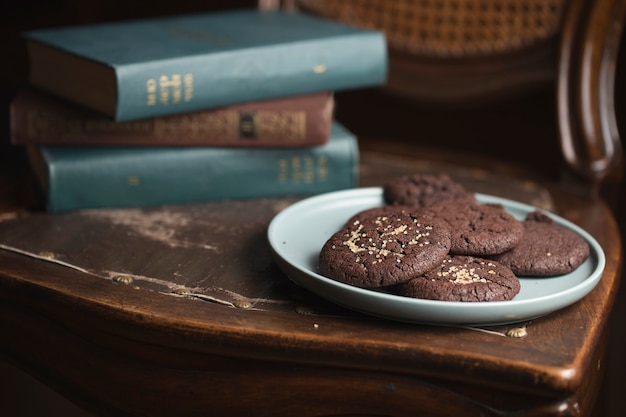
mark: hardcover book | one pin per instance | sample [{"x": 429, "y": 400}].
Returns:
[
  {"x": 153, "y": 67},
  {"x": 74, "y": 178},
  {"x": 38, "y": 118}
]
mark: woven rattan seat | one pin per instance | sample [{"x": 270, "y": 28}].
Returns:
[{"x": 443, "y": 28}]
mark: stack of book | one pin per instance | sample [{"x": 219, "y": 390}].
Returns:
[{"x": 192, "y": 108}]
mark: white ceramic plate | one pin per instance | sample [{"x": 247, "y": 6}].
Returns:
[{"x": 297, "y": 234}]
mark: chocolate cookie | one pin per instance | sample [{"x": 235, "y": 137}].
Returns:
[
  {"x": 479, "y": 229},
  {"x": 464, "y": 278},
  {"x": 378, "y": 250},
  {"x": 424, "y": 190},
  {"x": 547, "y": 249},
  {"x": 385, "y": 210}
]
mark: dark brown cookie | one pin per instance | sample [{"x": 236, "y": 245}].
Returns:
[
  {"x": 380, "y": 250},
  {"x": 464, "y": 278},
  {"x": 479, "y": 229},
  {"x": 385, "y": 210},
  {"x": 424, "y": 190},
  {"x": 547, "y": 249}
]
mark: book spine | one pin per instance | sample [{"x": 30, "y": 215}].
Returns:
[
  {"x": 77, "y": 178},
  {"x": 37, "y": 118},
  {"x": 193, "y": 83}
]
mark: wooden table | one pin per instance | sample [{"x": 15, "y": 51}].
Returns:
[{"x": 195, "y": 319}]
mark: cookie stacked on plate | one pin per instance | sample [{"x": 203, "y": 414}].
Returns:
[{"x": 434, "y": 240}]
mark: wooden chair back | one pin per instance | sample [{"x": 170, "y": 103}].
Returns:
[{"x": 453, "y": 51}]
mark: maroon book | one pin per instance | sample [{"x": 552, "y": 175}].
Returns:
[{"x": 39, "y": 118}]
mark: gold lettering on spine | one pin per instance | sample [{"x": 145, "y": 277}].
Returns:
[
  {"x": 105, "y": 126},
  {"x": 176, "y": 84},
  {"x": 164, "y": 91},
  {"x": 134, "y": 180},
  {"x": 322, "y": 169},
  {"x": 296, "y": 169},
  {"x": 151, "y": 89},
  {"x": 307, "y": 169},
  {"x": 188, "y": 80},
  {"x": 221, "y": 125},
  {"x": 169, "y": 89},
  {"x": 289, "y": 125},
  {"x": 283, "y": 170}
]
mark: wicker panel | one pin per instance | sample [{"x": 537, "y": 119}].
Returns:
[{"x": 444, "y": 28}]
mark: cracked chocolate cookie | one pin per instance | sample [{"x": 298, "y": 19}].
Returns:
[
  {"x": 382, "y": 250},
  {"x": 479, "y": 229},
  {"x": 385, "y": 210},
  {"x": 424, "y": 190},
  {"x": 547, "y": 249},
  {"x": 464, "y": 278}
]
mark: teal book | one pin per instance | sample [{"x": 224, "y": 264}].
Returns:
[
  {"x": 74, "y": 178},
  {"x": 160, "y": 66}
]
